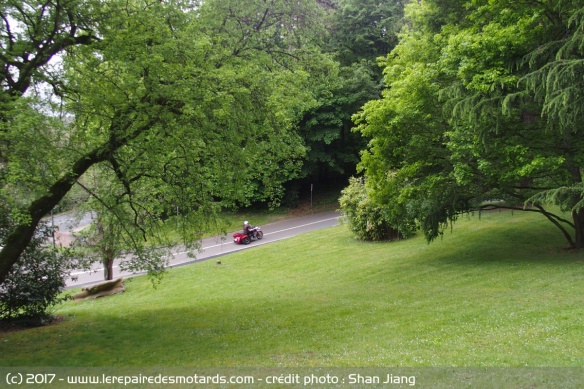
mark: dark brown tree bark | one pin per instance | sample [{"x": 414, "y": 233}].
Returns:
[
  {"x": 578, "y": 219},
  {"x": 17, "y": 241},
  {"x": 52, "y": 27}
]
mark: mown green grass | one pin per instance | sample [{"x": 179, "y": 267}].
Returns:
[{"x": 499, "y": 291}]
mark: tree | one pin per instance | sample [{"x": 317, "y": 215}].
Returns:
[
  {"x": 182, "y": 103},
  {"x": 363, "y": 30},
  {"x": 36, "y": 281},
  {"x": 463, "y": 125},
  {"x": 406, "y": 162},
  {"x": 112, "y": 231},
  {"x": 358, "y": 33},
  {"x": 554, "y": 83},
  {"x": 530, "y": 154},
  {"x": 332, "y": 148},
  {"x": 31, "y": 34}
]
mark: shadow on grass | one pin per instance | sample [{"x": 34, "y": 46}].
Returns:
[
  {"x": 340, "y": 303},
  {"x": 237, "y": 333},
  {"x": 511, "y": 239}
]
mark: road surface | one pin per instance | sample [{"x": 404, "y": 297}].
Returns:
[{"x": 222, "y": 245}]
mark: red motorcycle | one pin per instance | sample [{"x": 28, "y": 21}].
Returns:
[{"x": 255, "y": 234}]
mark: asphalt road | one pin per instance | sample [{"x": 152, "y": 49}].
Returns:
[{"x": 222, "y": 245}]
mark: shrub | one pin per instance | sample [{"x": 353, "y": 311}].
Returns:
[
  {"x": 35, "y": 282},
  {"x": 367, "y": 220}
]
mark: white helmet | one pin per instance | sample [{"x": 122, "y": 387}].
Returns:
[{"x": 246, "y": 222}]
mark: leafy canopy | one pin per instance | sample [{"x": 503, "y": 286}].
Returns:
[
  {"x": 471, "y": 117},
  {"x": 173, "y": 104}
]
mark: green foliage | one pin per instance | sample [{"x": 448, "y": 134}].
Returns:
[
  {"x": 34, "y": 284},
  {"x": 358, "y": 33},
  {"x": 464, "y": 120},
  {"x": 365, "y": 29},
  {"x": 176, "y": 105},
  {"x": 568, "y": 198},
  {"x": 220, "y": 136},
  {"x": 224, "y": 109},
  {"x": 554, "y": 79},
  {"x": 367, "y": 220},
  {"x": 332, "y": 148},
  {"x": 406, "y": 162}
]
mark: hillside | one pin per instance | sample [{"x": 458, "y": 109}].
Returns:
[{"x": 499, "y": 291}]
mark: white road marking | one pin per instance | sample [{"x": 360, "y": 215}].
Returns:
[
  {"x": 265, "y": 234},
  {"x": 217, "y": 245}
]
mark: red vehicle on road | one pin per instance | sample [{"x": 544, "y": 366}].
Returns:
[{"x": 255, "y": 233}]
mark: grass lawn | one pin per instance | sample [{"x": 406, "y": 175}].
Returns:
[{"x": 500, "y": 291}]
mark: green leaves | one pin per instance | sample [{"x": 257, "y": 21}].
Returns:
[
  {"x": 470, "y": 94},
  {"x": 365, "y": 29},
  {"x": 367, "y": 220},
  {"x": 174, "y": 105}
]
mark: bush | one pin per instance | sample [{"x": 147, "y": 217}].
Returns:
[
  {"x": 35, "y": 282},
  {"x": 365, "y": 219}
]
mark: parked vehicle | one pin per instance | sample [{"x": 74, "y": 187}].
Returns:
[{"x": 255, "y": 234}]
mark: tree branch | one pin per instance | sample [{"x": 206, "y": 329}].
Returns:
[{"x": 555, "y": 219}]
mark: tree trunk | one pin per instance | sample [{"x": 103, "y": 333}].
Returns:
[
  {"x": 108, "y": 269},
  {"x": 17, "y": 241},
  {"x": 578, "y": 218},
  {"x": 104, "y": 243}
]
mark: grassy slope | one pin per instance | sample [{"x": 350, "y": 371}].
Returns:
[{"x": 499, "y": 291}]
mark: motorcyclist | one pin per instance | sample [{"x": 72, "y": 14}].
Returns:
[{"x": 247, "y": 229}]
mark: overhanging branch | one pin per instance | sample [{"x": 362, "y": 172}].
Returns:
[{"x": 555, "y": 219}]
